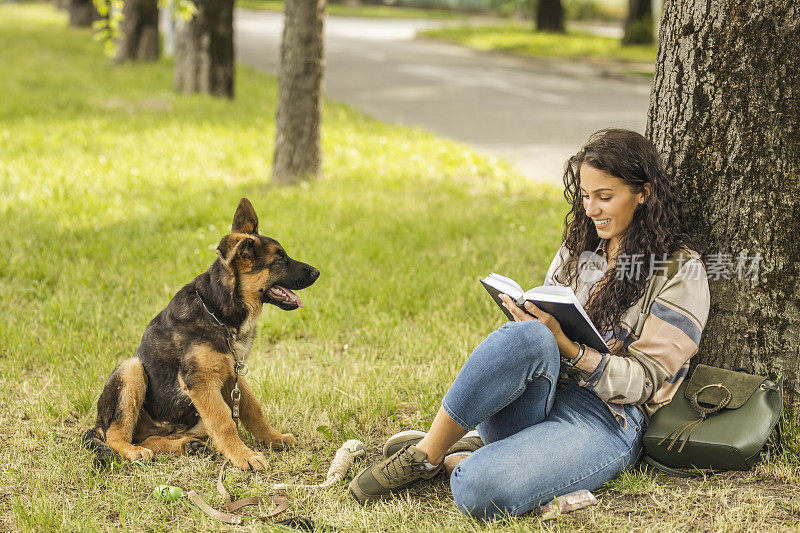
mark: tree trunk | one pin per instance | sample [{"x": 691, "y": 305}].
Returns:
[
  {"x": 138, "y": 32},
  {"x": 297, "y": 140},
  {"x": 639, "y": 23},
  {"x": 82, "y": 13},
  {"x": 204, "y": 50},
  {"x": 549, "y": 16},
  {"x": 725, "y": 112}
]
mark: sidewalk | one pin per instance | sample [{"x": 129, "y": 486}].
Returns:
[{"x": 536, "y": 112}]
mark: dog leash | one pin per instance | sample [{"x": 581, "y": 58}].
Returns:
[
  {"x": 340, "y": 465},
  {"x": 171, "y": 494},
  {"x": 239, "y": 366},
  {"x": 344, "y": 458},
  {"x": 280, "y": 504}
]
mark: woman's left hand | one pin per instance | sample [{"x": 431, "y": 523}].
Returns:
[{"x": 532, "y": 312}]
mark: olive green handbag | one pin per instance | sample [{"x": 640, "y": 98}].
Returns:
[{"x": 718, "y": 419}]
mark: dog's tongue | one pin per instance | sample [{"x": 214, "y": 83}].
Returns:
[{"x": 285, "y": 295}]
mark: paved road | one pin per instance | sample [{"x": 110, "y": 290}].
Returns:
[{"x": 536, "y": 113}]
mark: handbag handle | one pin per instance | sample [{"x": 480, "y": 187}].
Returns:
[
  {"x": 674, "y": 471},
  {"x": 705, "y": 411}
]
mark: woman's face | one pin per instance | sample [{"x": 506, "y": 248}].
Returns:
[{"x": 608, "y": 201}]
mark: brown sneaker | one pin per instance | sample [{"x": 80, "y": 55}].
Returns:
[
  {"x": 468, "y": 443},
  {"x": 400, "y": 471},
  {"x": 451, "y": 461}
]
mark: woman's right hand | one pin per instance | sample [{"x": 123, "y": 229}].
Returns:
[
  {"x": 516, "y": 311},
  {"x": 566, "y": 347}
]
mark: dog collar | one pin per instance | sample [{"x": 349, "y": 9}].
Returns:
[
  {"x": 239, "y": 366},
  {"x": 217, "y": 320}
]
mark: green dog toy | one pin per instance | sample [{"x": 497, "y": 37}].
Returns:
[{"x": 168, "y": 493}]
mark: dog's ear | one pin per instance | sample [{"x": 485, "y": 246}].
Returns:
[
  {"x": 245, "y": 219},
  {"x": 232, "y": 248}
]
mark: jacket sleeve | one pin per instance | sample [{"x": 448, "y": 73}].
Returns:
[{"x": 659, "y": 357}]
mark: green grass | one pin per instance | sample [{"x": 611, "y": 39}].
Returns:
[
  {"x": 370, "y": 11},
  {"x": 114, "y": 192},
  {"x": 596, "y": 10},
  {"x": 519, "y": 39},
  {"x": 613, "y": 11}
]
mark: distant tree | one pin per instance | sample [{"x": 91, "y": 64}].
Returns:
[
  {"x": 725, "y": 112},
  {"x": 138, "y": 39},
  {"x": 204, "y": 50},
  {"x": 298, "y": 154},
  {"x": 549, "y": 15},
  {"x": 81, "y": 12},
  {"x": 639, "y": 22}
]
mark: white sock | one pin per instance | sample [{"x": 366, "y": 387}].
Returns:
[{"x": 427, "y": 466}]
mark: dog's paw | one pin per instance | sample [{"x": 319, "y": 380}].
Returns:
[
  {"x": 196, "y": 447},
  {"x": 135, "y": 453},
  {"x": 285, "y": 440},
  {"x": 248, "y": 460}
]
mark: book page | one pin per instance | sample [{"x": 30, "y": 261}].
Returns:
[
  {"x": 554, "y": 290},
  {"x": 504, "y": 285}
]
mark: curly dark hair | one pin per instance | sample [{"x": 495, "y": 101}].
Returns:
[{"x": 657, "y": 226}]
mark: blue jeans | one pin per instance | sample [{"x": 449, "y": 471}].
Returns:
[{"x": 540, "y": 441}]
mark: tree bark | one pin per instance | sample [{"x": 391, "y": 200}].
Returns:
[
  {"x": 298, "y": 154},
  {"x": 204, "y": 50},
  {"x": 725, "y": 113},
  {"x": 82, "y": 13},
  {"x": 138, "y": 32},
  {"x": 549, "y": 16},
  {"x": 639, "y": 22}
]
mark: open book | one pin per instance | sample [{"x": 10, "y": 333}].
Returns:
[{"x": 560, "y": 302}]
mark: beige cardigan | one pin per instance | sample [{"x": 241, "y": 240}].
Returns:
[{"x": 659, "y": 334}]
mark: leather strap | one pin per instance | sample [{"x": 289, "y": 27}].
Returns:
[
  {"x": 226, "y": 518},
  {"x": 279, "y": 503},
  {"x": 673, "y": 471},
  {"x": 779, "y": 426},
  {"x": 777, "y": 450}
]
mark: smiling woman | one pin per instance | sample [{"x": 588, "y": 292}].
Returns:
[
  {"x": 609, "y": 202},
  {"x": 554, "y": 416},
  {"x": 620, "y": 195}
]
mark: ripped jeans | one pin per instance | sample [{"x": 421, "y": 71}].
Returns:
[{"x": 540, "y": 441}]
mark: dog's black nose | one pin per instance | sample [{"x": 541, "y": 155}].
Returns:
[{"x": 314, "y": 273}]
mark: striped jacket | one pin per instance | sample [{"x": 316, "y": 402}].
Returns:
[{"x": 657, "y": 335}]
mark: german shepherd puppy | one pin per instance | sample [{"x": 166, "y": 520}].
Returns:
[{"x": 176, "y": 390}]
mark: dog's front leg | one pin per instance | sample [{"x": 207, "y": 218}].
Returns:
[
  {"x": 216, "y": 415},
  {"x": 253, "y": 419}
]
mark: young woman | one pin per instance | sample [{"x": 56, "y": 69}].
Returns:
[{"x": 555, "y": 416}]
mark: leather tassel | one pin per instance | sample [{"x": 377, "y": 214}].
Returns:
[
  {"x": 676, "y": 428},
  {"x": 697, "y": 423},
  {"x": 680, "y": 429}
]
